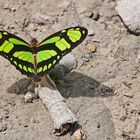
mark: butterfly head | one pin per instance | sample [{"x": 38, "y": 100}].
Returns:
[{"x": 34, "y": 42}]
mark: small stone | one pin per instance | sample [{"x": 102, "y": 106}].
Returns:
[
  {"x": 28, "y": 97},
  {"x": 96, "y": 16},
  {"x": 98, "y": 125},
  {"x": 127, "y": 94},
  {"x": 6, "y": 116},
  {"x": 88, "y": 13},
  {"x": 26, "y": 125},
  {"x": 26, "y": 22},
  {"x": 91, "y": 32},
  {"x": 85, "y": 57},
  {"x": 11, "y": 27},
  {"x": 13, "y": 9},
  {"x": 91, "y": 15},
  {"x": 138, "y": 58},
  {"x": 4, "y": 132},
  {"x": 3, "y": 129},
  {"x": 79, "y": 135},
  {"x": 33, "y": 121},
  {"x": 91, "y": 47},
  {"x": 123, "y": 118}
]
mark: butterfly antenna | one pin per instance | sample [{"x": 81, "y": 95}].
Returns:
[
  {"x": 22, "y": 29},
  {"x": 40, "y": 34}
]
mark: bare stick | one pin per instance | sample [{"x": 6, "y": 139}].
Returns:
[
  {"x": 55, "y": 103},
  {"x": 64, "y": 120}
]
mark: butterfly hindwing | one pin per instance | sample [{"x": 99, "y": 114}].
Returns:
[
  {"x": 17, "y": 51},
  {"x": 53, "y": 48},
  {"x": 37, "y": 59}
]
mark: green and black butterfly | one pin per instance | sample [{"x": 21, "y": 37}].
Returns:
[{"x": 39, "y": 58}]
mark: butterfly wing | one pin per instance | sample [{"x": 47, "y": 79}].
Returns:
[
  {"x": 18, "y": 52},
  {"x": 53, "y": 48}
]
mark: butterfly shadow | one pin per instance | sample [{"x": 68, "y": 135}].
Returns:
[
  {"x": 20, "y": 86},
  {"x": 76, "y": 84},
  {"x": 72, "y": 85}
]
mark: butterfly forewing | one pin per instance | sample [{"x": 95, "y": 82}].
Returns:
[
  {"x": 53, "y": 48},
  {"x": 39, "y": 59},
  {"x": 18, "y": 52}
]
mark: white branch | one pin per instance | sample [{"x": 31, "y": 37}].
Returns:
[
  {"x": 64, "y": 120},
  {"x": 57, "y": 107}
]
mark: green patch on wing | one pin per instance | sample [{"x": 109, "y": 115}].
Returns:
[
  {"x": 39, "y": 70},
  {"x": 62, "y": 44},
  {"x": 5, "y": 33},
  {"x": 17, "y": 42},
  {"x": 45, "y": 55},
  {"x": 74, "y": 35},
  {"x": 49, "y": 41},
  {"x": 6, "y": 47},
  {"x": 25, "y": 68},
  {"x": 25, "y": 56},
  {"x": 31, "y": 70}
]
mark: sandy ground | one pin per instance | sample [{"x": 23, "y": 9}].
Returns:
[{"x": 103, "y": 91}]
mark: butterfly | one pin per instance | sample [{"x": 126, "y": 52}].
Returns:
[{"x": 39, "y": 58}]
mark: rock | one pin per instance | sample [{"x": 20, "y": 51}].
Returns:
[
  {"x": 129, "y": 11},
  {"x": 68, "y": 61},
  {"x": 99, "y": 123},
  {"x": 66, "y": 64}
]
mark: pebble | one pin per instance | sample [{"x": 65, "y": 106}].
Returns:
[
  {"x": 129, "y": 11},
  {"x": 128, "y": 94},
  {"x": 96, "y": 16},
  {"x": 3, "y": 129},
  {"x": 26, "y": 125},
  {"x": 66, "y": 64},
  {"x": 85, "y": 57},
  {"x": 28, "y": 97},
  {"x": 79, "y": 134},
  {"x": 91, "y": 32},
  {"x": 91, "y": 15},
  {"x": 91, "y": 47},
  {"x": 13, "y": 9},
  {"x": 68, "y": 61}
]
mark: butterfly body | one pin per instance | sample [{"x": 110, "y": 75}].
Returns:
[
  {"x": 34, "y": 48},
  {"x": 39, "y": 58}
]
